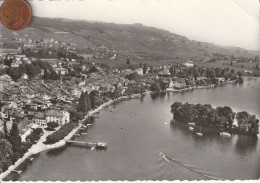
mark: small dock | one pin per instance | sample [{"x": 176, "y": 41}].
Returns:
[
  {"x": 30, "y": 159},
  {"x": 101, "y": 145},
  {"x": 17, "y": 171}
]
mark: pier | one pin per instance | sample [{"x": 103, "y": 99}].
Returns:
[
  {"x": 102, "y": 145},
  {"x": 17, "y": 171},
  {"x": 30, "y": 159}
]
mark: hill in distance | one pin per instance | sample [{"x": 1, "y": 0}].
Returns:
[{"x": 129, "y": 39}]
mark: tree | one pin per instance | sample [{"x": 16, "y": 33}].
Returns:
[
  {"x": 128, "y": 60},
  {"x": 144, "y": 69},
  {"x": 52, "y": 125},
  {"x": 93, "y": 95},
  {"x": 88, "y": 101},
  {"x": 15, "y": 138},
  {"x": 93, "y": 69},
  {"x": 82, "y": 105},
  {"x": 172, "y": 70},
  {"x": 5, "y": 130},
  {"x": 5, "y": 154},
  {"x": 155, "y": 87},
  {"x": 133, "y": 76}
]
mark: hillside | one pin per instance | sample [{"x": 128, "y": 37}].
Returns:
[{"x": 134, "y": 39}]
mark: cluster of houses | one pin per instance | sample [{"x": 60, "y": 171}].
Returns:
[{"x": 37, "y": 101}]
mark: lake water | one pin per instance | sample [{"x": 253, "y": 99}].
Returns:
[{"x": 136, "y": 134}]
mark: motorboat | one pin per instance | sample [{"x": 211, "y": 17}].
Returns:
[
  {"x": 199, "y": 134},
  {"x": 101, "y": 145},
  {"x": 191, "y": 128},
  {"x": 164, "y": 157},
  {"x": 226, "y": 134}
]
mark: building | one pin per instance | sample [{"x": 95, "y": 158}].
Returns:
[
  {"x": 24, "y": 76},
  {"x": 61, "y": 117},
  {"x": 188, "y": 64},
  {"x": 139, "y": 71},
  {"x": 5, "y": 79},
  {"x": 40, "y": 119},
  {"x": 60, "y": 70}
]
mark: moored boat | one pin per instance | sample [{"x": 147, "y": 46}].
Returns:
[
  {"x": 225, "y": 134},
  {"x": 101, "y": 145},
  {"x": 191, "y": 124},
  {"x": 199, "y": 134},
  {"x": 191, "y": 128}
]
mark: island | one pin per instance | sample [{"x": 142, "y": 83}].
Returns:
[{"x": 223, "y": 119}]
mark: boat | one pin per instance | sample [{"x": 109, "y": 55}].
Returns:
[
  {"x": 101, "y": 145},
  {"x": 92, "y": 148},
  {"x": 191, "y": 128},
  {"x": 226, "y": 134},
  {"x": 191, "y": 124},
  {"x": 165, "y": 123},
  {"x": 199, "y": 133},
  {"x": 164, "y": 157}
]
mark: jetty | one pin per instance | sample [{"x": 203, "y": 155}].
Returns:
[
  {"x": 30, "y": 159},
  {"x": 17, "y": 171},
  {"x": 101, "y": 145}
]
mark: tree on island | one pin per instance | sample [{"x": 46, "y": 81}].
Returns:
[
  {"x": 155, "y": 87},
  {"x": 248, "y": 123}
]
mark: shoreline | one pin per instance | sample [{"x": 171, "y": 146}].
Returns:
[{"x": 40, "y": 147}]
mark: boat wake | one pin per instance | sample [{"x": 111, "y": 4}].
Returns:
[{"x": 188, "y": 167}]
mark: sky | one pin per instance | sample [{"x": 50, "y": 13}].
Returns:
[{"x": 224, "y": 22}]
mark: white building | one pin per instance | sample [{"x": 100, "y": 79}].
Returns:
[
  {"x": 61, "y": 117},
  {"x": 40, "y": 119},
  {"x": 139, "y": 71},
  {"x": 5, "y": 79},
  {"x": 60, "y": 70},
  {"x": 188, "y": 64},
  {"x": 24, "y": 76}
]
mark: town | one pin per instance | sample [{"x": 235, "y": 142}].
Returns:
[{"x": 47, "y": 85}]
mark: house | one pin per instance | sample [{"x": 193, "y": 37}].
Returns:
[
  {"x": 61, "y": 117},
  {"x": 188, "y": 64},
  {"x": 2, "y": 66},
  {"x": 75, "y": 92},
  {"x": 24, "y": 76},
  {"x": 5, "y": 79},
  {"x": 139, "y": 71},
  {"x": 60, "y": 70},
  {"x": 15, "y": 64},
  {"x": 106, "y": 88},
  {"x": 40, "y": 119}
]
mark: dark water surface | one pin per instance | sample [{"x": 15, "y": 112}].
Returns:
[{"x": 136, "y": 134}]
